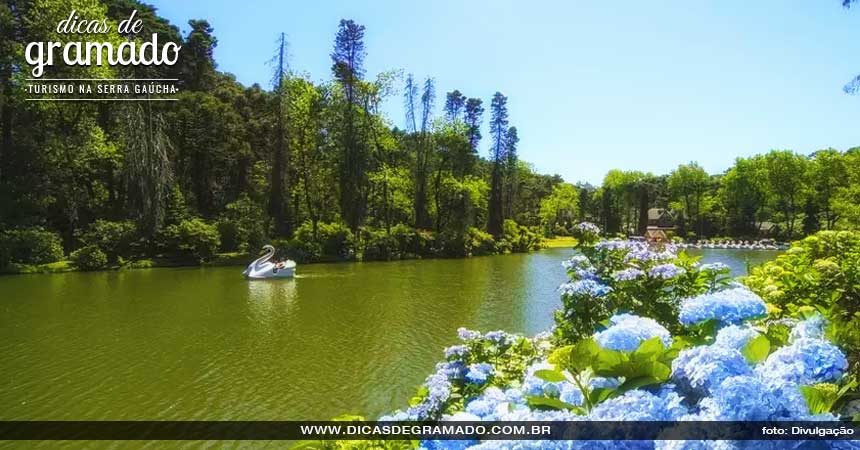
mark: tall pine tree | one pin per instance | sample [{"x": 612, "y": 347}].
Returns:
[{"x": 498, "y": 132}]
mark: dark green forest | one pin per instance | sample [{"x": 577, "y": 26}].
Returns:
[{"x": 316, "y": 168}]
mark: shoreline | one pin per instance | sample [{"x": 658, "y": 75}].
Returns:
[{"x": 226, "y": 260}]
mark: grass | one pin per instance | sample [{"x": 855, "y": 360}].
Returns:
[
  {"x": 560, "y": 242},
  {"x": 220, "y": 259}
]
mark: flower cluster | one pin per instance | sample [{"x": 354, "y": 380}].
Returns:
[
  {"x": 478, "y": 373},
  {"x": 665, "y": 271},
  {"x": 811, "y": 328},
  {"x": 616, "y": 245},
  {"x": 729, "y": 379},
  {"x": 805, "y": 361},
  {"x": 729, "y": 306},
  {"x": 628, "y": 331},
  {"x": 587, "y": 227},
  {"x": 585, "y": 287},
  {"x": 641, "y": 252},
  {"x": 627, "y": 274}
]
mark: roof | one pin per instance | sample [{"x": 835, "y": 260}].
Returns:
[
  {"x": 653, "y": 233},
  {"x": 657, "y": 213}
]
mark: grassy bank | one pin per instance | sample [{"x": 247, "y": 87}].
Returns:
[
  {"x": 221, "y": 259},
  {"x": 560, "y": 242}
]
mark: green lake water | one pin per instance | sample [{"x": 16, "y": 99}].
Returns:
[{"x": 205, "y": 344}]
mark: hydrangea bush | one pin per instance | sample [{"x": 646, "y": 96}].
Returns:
[
  {"x": 818, "y": 275},
  {"x": 709, "y": 352},
  {"x": 617, "y": 275}
]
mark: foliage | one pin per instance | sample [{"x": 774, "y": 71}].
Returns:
[
  {"x": 325, "y": 241},
  {"x": 820, "y": 273},
  {"x": 242, "y": 226},
  {"x": 90, "y": 257},
  {"x": 192, "y": 239},
  {"x": 560, "y": 209},
  {"x": 633, "y": 369},
  {"x": 518, "y": 239},
  {"x": 117, "y": 240},
  {"x": 256, "y": 162},
  {"x": 611, "y": 276},
  {"x": 29, "y": 246}
]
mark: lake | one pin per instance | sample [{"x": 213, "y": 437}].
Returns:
[{"x": 205, "y": 344}]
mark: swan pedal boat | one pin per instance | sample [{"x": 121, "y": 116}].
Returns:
[{"x": 263, "y": 268}]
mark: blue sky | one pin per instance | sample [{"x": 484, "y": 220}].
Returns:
[{"x": 592, "y": 85}]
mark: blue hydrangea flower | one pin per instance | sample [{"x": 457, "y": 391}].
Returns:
[
  {"x": 478, "y": 373},
  {"x": 634, "y": 405},
  {"x": 628, "y": 331},
  {"x": 583, "y": 274},
  {"x": 585, "y": 287},
  {"x": 576, "y": 262},
  {"x": 729, "y": 306},
  {"x": 399, "y": 416},
  {"x": 615, "y": 245},
  {"x": 734, "y": 336},
  {"x": 499, "y": 337},
  {"x": 533, "y": 385},
  {"x": 811, "y": 328},
  {"x": 805, "y": 361},
  {"x": 451, "y": 369},
  {"x": 701, "y": 445},
  {"x": 467, "y": 335},
  {"x": 645, "y": 254},
  {"x": 627, "y": 274},
  {"x": 588, "y": 227},
  {"x": 742, "y": 397},
  {"x": 458, "y": 351},
  {"x": 447, "y": 444},
  {"x": 665, "y": 271},
  {"x": 697, "y": 370}
]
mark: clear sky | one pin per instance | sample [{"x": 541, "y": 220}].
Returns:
[{"x": 591, "y": 85}]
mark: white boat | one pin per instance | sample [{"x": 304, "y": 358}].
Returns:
[{"x": 263, "y": 268}]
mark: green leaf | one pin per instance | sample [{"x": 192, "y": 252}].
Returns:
[
  {"x": 820, "y": 397},
  {"x": 777, "y": 334},
  {"x": 639, "y": 382},
  {"x": 757, "y": 349},
  {"x": 649, "y": 349},
  {"x": 536, "y": 402},
  {"x": 598, "y": 395},
  {"x": 553, "y": 376},
  {"x": 583, "y": 355}
]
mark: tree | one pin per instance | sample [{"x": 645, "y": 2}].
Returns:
[
  {"x": 745, "y": 194},
  {"x": 829, "y": 171},
  {"x": 147, "y": 168},
  {"x": 198, "y": 63},
  {"x": 455, "y": 102},
  {"x": 498, "y": 130},
  {"x": 787, "y": 176},
  {"x": 473, "y": 115},
  {"x": 278, "y": 206},
  {"x": 347, "y": 67},
  {"x": 422, "y": 155},
  {"x": 559, "y": 209},
  {"x": 688, "y": 185},
  {"x": 511, "y": 176}
]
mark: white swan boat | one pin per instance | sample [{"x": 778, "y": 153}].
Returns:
[{"x": 264, "y": 268}]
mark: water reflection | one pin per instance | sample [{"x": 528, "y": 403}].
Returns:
[{"x": 268, "y": 299}]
